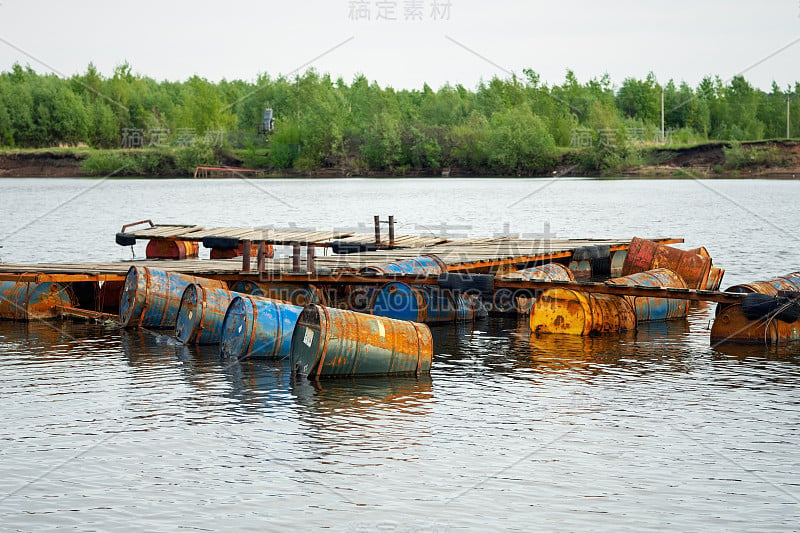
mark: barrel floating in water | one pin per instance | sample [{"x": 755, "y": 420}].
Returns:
[
  {"x": 300, "y": 295},
  {"x": 428, "y": 303},
  {"x": 201, "y": 313},
  {"x": 521, "y": 301},
  {"x": 731, "y": 324},
  {"x": 258, "y": 327},
  {"x": 151, "y": 297},
  {"x": 649, "y": 309},
  {"x": 331, "y": 342},
  {"x": 424, "y": 265},
  {"x": 32, "y": 301},
  {"x": 644, "y": 255},
  {"x": 172, "y": 249},
  {"x": 576, "y": 313}
]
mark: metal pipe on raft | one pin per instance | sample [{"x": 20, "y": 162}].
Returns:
[
  {"x": 33, "y": 301},
  {"x": 258, "y": 327},
  {"x": 151, "y": 297},
  {"x": 201, "y": 313},
  {"x": 336, "y": 343},
  {"x": 759, "y": 319}
]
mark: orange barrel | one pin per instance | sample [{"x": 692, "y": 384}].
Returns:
[
  {"x": 789, "y": 282},
  {"x": 520, "y": 301},
  {"x": 172, "y": 249},
  {"x": 201, "y": 313},
  {"x": 731, "y": 324},
  {"x": 151, "y": 297},
  {"x": 649, "y": 309},
  {"x": 301, "y": 295},
  {"x": 715, "y": 276},
  {"x": 617, "y": 261},
  {"x": 644, "y": 255},
  {"x": 32, "y": 301},
  {"x": 577, "y": 313},
  {"x": 231, "y": 253},
  {"x": 331, "y": 342},
  {"x": 424, "y": 265}
]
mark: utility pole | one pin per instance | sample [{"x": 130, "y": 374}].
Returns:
[
  {"x": 787, "y": 117},
  {"x": 663, "y": 138}
]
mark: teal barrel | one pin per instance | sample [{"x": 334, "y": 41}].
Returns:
[
  {"x": 427, "y": 303},
  {"x": 331, "y": 342},
  {"x": 32, "y": 301},
  {"x": 258, "y": 327},
  {"x": 201, "y": 314},
  {"x": 789, "y": 282},
  {"x": 295, "y": 294},
  {"x": 151, "y": 297},
  {"x": 424, "y": 265},
  {"x": 649, "y": 309}
]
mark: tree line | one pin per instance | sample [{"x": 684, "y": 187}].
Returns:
[{"x": 511, "y": 125}]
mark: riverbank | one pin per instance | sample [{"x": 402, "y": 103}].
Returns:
[{"x": 779, "y": 159}]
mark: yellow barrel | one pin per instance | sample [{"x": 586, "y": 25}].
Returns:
[
  {"x": 649, "y": 309},
  {"x": 576, "y": 313}
]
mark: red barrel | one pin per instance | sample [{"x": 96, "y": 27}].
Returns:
[
  {"x": 172, "y": 249},
  {"x": 644, "y": 255}
]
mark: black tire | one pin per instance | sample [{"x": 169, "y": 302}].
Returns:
[
  {"x": 221, "y": 243},
  {"x": 125, "y": 239},
  {"x": 482, "y": 283},
  {"x": 352, "y": 247},
  {"x": 757, "y": 306}
]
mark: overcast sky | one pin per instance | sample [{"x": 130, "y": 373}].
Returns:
[{"x": 460, "y": 43}]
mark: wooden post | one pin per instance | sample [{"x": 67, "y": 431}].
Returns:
[
  {"x": 310, "y": 258},
  {"x": 262, "y": 254},
  {"x": 295, "y": 257},
  {"x": 391, "y": 230},
  {"x": 377, "y": 229},
  {"x": 246, "y": 255}
]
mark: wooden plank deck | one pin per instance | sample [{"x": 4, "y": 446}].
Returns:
[{"x": 471, "y": 255}]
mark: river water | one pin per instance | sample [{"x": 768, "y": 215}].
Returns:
[{"x": 109, "y": 430}]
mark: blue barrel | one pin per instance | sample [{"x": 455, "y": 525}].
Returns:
[
  {"x": 32, "y": 301},
  {"x": 292, "y": 293},
  {"x": 654, "y": 309},
  {"x": 424, "y": 265},
  {"x": 427, "y": 303},
  {"x": 258, "y": 327},
  {"x": 151, "y": 297},
  {"x": 201, "y": 314},
  {"x": 331, "y": 342}
]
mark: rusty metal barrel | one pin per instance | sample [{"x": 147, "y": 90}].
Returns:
[
  {"x": 732, "y": 325},
  {"x": 32, "y": 301},
  {"x": 172, "y": 249},
  {"x": 151, "y": 297},
  {"x": 201, "y": 313},
  {"x": 301, "y": 295},
  {"x": 576, "y": 313},
  {"x": 331, "y": 342},
  {"x": 520, "y": 301},
  {"x": 424, "y": 265},
  {"x": 429, "y": 304},
  {"x": 644, "y": 255},
  {"x": 649, "y": 309},
  {"x": 258, "y": 327}
]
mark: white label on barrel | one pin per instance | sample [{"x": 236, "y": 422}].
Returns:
[
  {"x": 381, "y": 329},
  {"x": 308, "y": 338}
]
